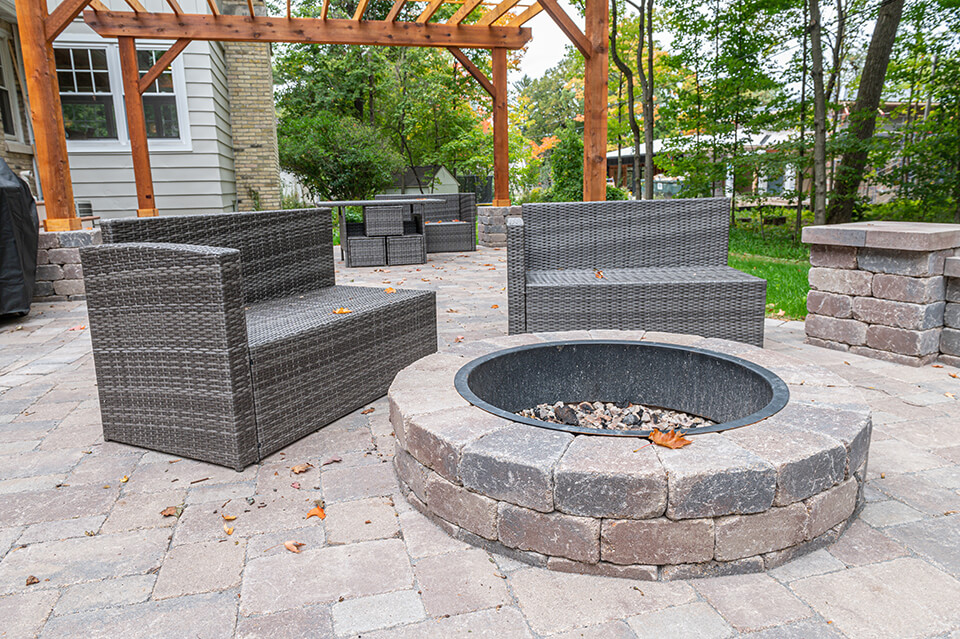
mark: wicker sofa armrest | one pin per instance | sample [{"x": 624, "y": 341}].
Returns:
[
  {"x": 516, "y": 278},
  {"x": 169, "y": 339}
]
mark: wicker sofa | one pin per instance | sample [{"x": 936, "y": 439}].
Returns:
[
  {"x": 215, "y": 337},
  {"x": 655, "y": 265},
  {"x": 444, "y": 234}
]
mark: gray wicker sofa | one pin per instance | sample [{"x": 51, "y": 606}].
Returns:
[
  {"x": 215, "y": 337},
  {"x": 655, "y": 265},
  {"x": 449, "y": 226}
]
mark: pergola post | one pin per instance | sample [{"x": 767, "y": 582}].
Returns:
[
  {"x": 501, "y": 145},
  {"x": 136, "y": 127},
  {"x": 595, "y": 103},
  {"x": 47, "y": 117}
]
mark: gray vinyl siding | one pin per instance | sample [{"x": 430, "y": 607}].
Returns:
[{"x": 198, "y": 179}]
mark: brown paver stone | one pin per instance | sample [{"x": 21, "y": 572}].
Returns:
[
  {"x": 459, "y": 506},
  {"x": 460, "y": 582},
  {"x": 192, "y": 569},
  {"x": 657, "y": 541},
  {"x": 343, "y": 484},
  {"x": 502, "y": 623},
  {"x": 436, "y": 440},
  {"x": 860, "y": 545},
  {"x": 361, "y": 520},
  {"x": 105, "y": 594},
  {"x": 752, "y": 602},
  {"x": 142, "y": 510},
  {"x": 741, "y": 536},
  {"x": 314, "y": 622},
  {"x": 691, "y": 621},
  {"x": 554, "y": 534},
  {"x": 324, "y": 575},
  {"x": 898, "y": 599},
  {"x": 937, "y": 539},
  {"x": 425, "y": 538}
]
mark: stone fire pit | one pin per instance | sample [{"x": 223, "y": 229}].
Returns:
[{"x": 784, "y": 477}]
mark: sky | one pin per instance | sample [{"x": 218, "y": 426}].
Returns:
[{"x": 547, "y": 46}]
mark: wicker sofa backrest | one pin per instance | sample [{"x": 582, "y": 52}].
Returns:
[
  {"x": 281, "y": 252},
  {"x": 444, "y": 211},
  {"x": 626, "y": 234}
]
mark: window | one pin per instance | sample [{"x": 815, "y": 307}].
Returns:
[
  {"x": 9, "y": 103},
  {"x": 85, "y": 93},
  {"x": 159, "y": 100},
  {"x": 6, "y": 106}
]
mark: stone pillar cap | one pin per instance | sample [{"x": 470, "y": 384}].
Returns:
[{"x": 903, "y": 236}]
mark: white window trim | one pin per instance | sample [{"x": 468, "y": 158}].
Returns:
[
  {"x": 122, "y": 143},
  {"x": 9, "y": 81}
]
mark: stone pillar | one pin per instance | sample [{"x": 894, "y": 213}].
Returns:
[
  {"x": 253, "y": 119},
  {"x": 950, "y": 338},
  {"x": 492, "y": 226},
  {"x": 59, "y": 274},
  {"x": 879, "y": 289}
]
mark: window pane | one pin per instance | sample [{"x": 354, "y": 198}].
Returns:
[
  {"x": 99, "y": 59},
  {"x": 88, "y": 117},
  {"x": 81, "y": 59},
  {"x": 165, "y": 82},
  {"x": 144, "y": 60},
  {"x": 6, "y": 113},
  {"x": 65, "y": 79},
  {"x": 161, "y": 116},
  {"x": 3, "y": 83},
  {"x": 62, "y": 56},
  {"x": 84, "y": 82},
  {"x": 102, "y": 82}
]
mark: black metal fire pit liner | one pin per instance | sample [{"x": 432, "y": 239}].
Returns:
[{"x": 722, "y": 388}]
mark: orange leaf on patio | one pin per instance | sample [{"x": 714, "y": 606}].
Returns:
[
  {"x": 495, "y": 306},
  {"x": 170, "y": 511},
  {"x": 301, "y": 468},
  {"x": 367, "y": 411},
  {"x": 293, "y": 546},
  {"x": 317, "y": 512},
  {"x": 32, "y": 580},
  {"x": 228, "y": 529},
  {"x": 671, "y": 439},
  {"x": 228, "y": 517}
]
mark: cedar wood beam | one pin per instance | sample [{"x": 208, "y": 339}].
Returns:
[
  {"x": 136, "y": 127},
  {"x": 429, "y": 11},
  {"x": 306, "y": 30},
  {"x": 473, "y": 70},
  {"x": 62, "y": 16},
  {"x": 395, "y": 10},
  {"x": 568, "y": 27},
  {"x": 525, "y": 17},
  {"x": 465, "y": 9},
  {"x": 494, "y": 14},
  {"x": 161, "y": 65}
]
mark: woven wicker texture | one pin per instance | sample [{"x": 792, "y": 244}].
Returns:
[
  {"x": 365, "y": 251},
  {"x": 443, "y": 238},
  {"x": 406, "y": 249},
  {"x": 663, "y": 266},
  {"x": 383, "y": 220},
  {"x": 188, "y": 365}
]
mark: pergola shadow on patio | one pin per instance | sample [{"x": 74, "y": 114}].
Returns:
[
  {"x": 497, "y": 27},
  {"x": 85, "y": 549}
]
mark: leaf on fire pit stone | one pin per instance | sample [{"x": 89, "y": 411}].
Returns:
[
  {"x": 317, "y": 512},
  {"x": 301, "y": 468},
  {"x": 293, "y": 546},
  {"x": 671, "y": 439},
  {"x": 172, "y": 511},
  {"x": 367, "y": 411},
  {"x": 32, "y": 580}
]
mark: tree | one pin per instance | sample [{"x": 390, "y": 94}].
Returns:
[
  {"x": 627, "y": 74},
  {"x": 863, "y": 115},
  {"x": 336, "y": 157}
]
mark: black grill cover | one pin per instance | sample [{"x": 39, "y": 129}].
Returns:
[{"x": 19, "y": 232}]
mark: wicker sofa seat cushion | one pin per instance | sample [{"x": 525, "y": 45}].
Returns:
[{"x": 614, "y": 276}]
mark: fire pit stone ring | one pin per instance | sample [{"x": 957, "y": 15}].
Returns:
[{"x": 783, "y": 478}]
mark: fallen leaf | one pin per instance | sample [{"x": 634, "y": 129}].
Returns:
[
  {"x": 90, "y": 533},
  {"x": 228, "y": 517},
  {"x": 781, "y": 313},
  {"x": 458, "y": 339},
  {"x": 32, "y": 580},
  {"x": 937, "y": 365},
  {"x": 950, "y": 395},
  {"x": 171, "y": 511},
  {"x": 295, "y": 484},
  {"x": 955, "y": 375},
  {"x": 301, "y": 468},
  {"x": 317, "y": 512},
  {"x": 671, "y": 439},
  {"x": 386, "y": 290},
  {"x": 450, "y": 310},
  {"x": 228, "y": 529},
  {"x": 495, "y": 306},
  {"x": 293, "y": 546},
  {"x": 341, "y": 311},
  {"x": 75, "y": 328},
  {"x": 332, "y": 460},
  {"x": 124, "y": 479},
  {"x": 367, "y": 411},
  {"x": 598, "y": 274}
]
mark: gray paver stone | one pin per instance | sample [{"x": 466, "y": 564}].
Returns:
[
  {"x": 950, "y": 341},
  {"x": 515, "y": 464},
  {"x": 846, "y": 331},
  {"x": 843, "y": 281},
  {"x": 361, "y": 520},
  {"x": 657, "y": 541},
  {"x": 833, "y": 256},
  {"x": 831, "y": 507},
  {"x": 460, "y": 582},
  {"x": 106, "y": 593},
  {"x": 706, "y": 569},
  {"x": 412, "y": 473},
  {"x": 911, "y": 263},
  {"x": 459, "y": 506},
  {"x": 359, "y": 616},
  {"x": 741, "y": 536},
  {"x": 752, "y": 602},
  {"x": 851, "y": 428},
  {"x": 554, "y": 534},
  {"x": 903, "y": 341},
  {"x": 713, "y": 476},
  {"x": 314, "y": 622},
  {"x": 437, "y": 439},
  {"x": 918, "y": 290},
  {"x": 917, "y": 317},
  {"x": 830, "y": 304},
  {"x": 952, "y": 292},
  {"x": 951, "y": 316},
  {"x": 604, "y": 569},
  {"x": 691, "y": 621},
  {"x": 610, "y": 477}
]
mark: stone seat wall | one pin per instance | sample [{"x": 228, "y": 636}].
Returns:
[{"x": 885, "y": 290}]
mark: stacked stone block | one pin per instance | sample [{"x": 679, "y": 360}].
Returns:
[
  {"x": 492, "y": 227},
  {"x": 59, "y": 274},
  {"x": 950, "y": 339},
  {"x": 879, "y": 289}
]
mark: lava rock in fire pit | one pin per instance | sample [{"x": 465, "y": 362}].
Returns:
[{"x": 609, "y": 416}]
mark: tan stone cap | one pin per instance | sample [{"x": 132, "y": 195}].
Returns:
[
  {"x": 904, "y": 236},
  {"x": 951, "y": 267}
]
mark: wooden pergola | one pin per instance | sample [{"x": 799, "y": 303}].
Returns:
[{"x": 499, "y": 29}]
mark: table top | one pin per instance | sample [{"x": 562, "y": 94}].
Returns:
[{"x": 408, "y": 202}]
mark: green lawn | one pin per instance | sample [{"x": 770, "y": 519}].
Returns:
[{"x": 778, "y": 258}]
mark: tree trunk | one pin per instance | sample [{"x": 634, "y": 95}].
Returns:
[
  {"x": 646, "y": 84},
  {"x": 631, "y": 111},
  {"x": 801, "y": 152},
  {"x": 863, "y": 116},
  {"x": 819, "y": 118}
]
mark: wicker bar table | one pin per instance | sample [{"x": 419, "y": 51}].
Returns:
[{"x": 374, "y": 250}]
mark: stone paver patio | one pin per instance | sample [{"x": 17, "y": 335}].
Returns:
[{"x": 83, "y": 517}]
